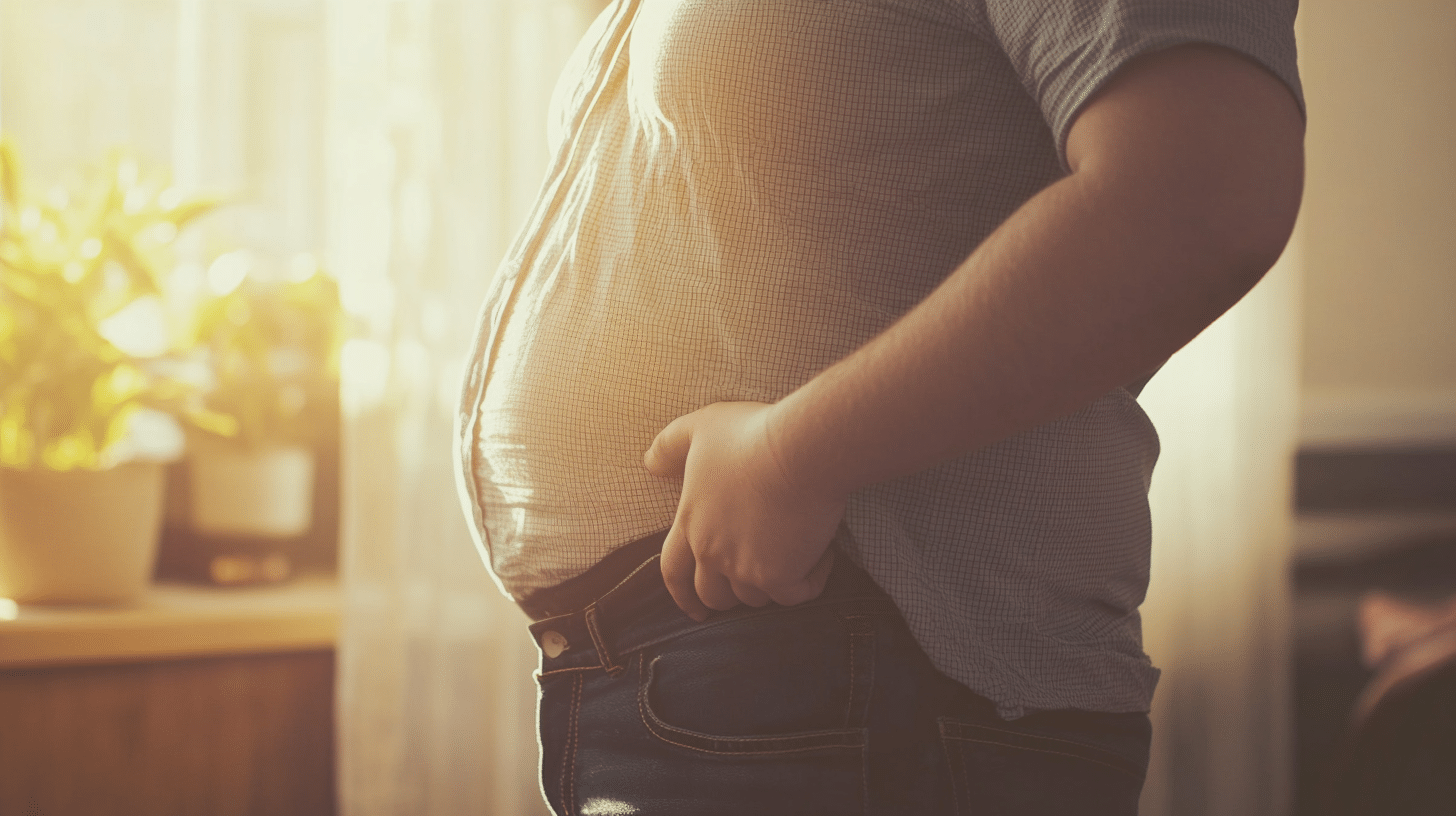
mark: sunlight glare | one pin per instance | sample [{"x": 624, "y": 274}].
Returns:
[
  {"x": 434, "y": 318},
  {"x": 9, "y": 610},
  {"x": 364, "y": 375},
  {"x": 163, "y": 232},
  {"x": 302, "y": 267},
  {"x": 139, "y": 328},
  {"x": 185, "y": 283},
  {"x": 371, "y": 298},
  {"x": 135, "y": 201},
  {"x": 169, "y": 198},
  {"x": 128, "y": 171},
  {"x": 447, "y": 385},
  {"x": 151, "y": 435},
  {"x": 228, "y": 271},
  {"x": 601, "y": 806}
]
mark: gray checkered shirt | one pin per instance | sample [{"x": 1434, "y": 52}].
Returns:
[{"x": 746, "y": 191}]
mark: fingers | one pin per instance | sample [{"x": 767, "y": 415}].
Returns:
[
  {"x": 668, "y": 454},
  {"x": 714, "y": 588},
  {"x": 750, "y": 594},
  {"x": 678, "y": 568},
  {"x": 810, "y": 587},
  {"x": 698, "y": 588}
]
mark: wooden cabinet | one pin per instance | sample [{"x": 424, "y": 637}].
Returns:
[{"x": 198, "y": 703}]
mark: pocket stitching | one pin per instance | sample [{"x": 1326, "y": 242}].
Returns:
[
  {"x": 683, "y": 738},
  {"x": 958, "y": 783}
]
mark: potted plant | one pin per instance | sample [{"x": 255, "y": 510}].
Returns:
[
  {"x": 81, "y": 341},
  {"x": 272, "y": 348}
]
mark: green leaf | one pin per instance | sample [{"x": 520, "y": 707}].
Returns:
[{"x": 66, "y": 392}]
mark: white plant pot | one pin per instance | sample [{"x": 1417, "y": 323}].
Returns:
[
  {"x": 80, "y": 536},
  {"x": 262, "y": 493}
]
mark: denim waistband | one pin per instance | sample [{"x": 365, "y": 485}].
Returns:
[
  {"x": 577, "y": 593},
  {"x": 639, "y": 612}
]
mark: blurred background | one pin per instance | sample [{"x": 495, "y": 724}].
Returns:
[{"x": 393, "y": 146}]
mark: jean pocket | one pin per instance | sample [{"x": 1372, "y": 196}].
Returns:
[
  {"x": 1012, "y": 772},
  {"x": 755, "y": 767},
  {"x": 747, "y": 740}
]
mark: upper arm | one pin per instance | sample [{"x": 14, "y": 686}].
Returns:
[
  {"x": 1204, "y": 134},
  {"x": 1187, "y": 113},
  {"x": 1066, "y": 52}
]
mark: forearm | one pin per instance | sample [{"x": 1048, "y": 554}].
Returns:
[
  {"x": 1184, "y": 185},
  {"x": 1091, "y": 284}
]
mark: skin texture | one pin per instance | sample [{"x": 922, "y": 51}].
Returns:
[{"x": 1187, "y": 170}]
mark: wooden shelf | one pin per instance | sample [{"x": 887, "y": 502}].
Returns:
[{"x": 176, "y": 621}]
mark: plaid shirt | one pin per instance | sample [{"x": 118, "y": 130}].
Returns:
[{"x": 746, "y": 191}]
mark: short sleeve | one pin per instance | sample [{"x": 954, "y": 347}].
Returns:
[{"x": 1063, "y": 50}]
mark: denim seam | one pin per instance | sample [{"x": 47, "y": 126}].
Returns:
[
  {"x": 862, "y": 680},
  {"x": 605, "y": 660},
  {"x": 711, "y": 624},
  {"x": 811, "y": 741},
  {"x": 1017, "y": 747},
  {"x": 956, "y": 766},
  {"x": 568, "y": 670},
  {"x": 853, "y": 681},
  {"x": 634, "y": 648},
  {"x": 862, "y": 701},
  {"x": 568, "y": 767}
]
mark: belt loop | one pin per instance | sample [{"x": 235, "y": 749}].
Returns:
[{"x": 594, "y": 628}]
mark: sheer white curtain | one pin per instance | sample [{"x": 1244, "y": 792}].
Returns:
[
  {"x": 1217, "y": 615},
  {"x": 435, "y": 146}
]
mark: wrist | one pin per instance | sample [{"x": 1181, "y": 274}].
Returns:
[{"x": 805, "y": 462}]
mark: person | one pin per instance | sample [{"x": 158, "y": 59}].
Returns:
[{"x": 802, "y": 413}]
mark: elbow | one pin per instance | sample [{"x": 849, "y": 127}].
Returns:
[{"x": 1251, "y": 226}]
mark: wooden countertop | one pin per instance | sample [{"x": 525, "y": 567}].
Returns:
[{"x": 175, "y": 621}]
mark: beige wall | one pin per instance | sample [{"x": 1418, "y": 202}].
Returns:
[{"x": 1379, "y": 219}]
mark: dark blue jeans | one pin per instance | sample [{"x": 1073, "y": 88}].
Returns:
[{"x": 829, "y": 707}]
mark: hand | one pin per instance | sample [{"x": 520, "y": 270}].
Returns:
[{"x": 743, "y": 531}]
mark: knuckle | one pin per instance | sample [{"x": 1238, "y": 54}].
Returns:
[
  {"x": 795, "y": 594},
  {"x": 751, "y": 596}
]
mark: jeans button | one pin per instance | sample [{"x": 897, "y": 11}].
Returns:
[{"x": 553, "y": 643}]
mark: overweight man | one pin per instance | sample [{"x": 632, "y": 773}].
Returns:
[{"x": 802, "y": 417}]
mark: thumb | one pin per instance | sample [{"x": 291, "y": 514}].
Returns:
[{"x": 669, "y": 452}]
